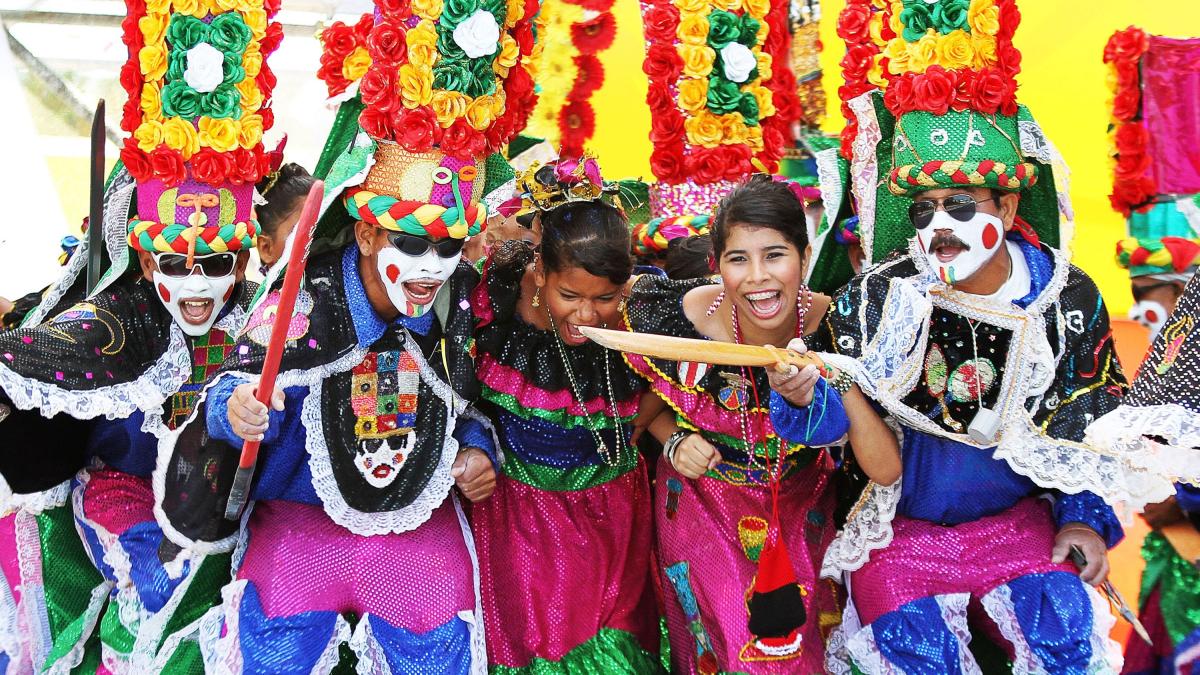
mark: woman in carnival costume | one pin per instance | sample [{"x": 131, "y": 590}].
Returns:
[
  {"x": 573, "y": 486},
  {"x": 137, "y": 351},
  {"x": 355, "y": 534},
  {"x": 742, "y": 461}
]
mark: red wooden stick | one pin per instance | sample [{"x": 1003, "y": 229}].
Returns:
[{"x": 301, "y": 238}]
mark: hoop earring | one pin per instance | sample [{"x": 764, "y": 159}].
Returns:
[
  {"x": 712, "y": 309},
  {"x": 537, "y": 298}
]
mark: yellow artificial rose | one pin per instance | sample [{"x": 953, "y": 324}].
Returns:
[
  {"x": 225, "y": 5},
  {"x": 509, "y": 51},
  {"x": 764, "y": 29},
  {"x": 251, "y": 97},
  {"x": 764, "y": 65},
  {"x": 148, "y": 135},
  {"x": 924, "y": 52},
  {"x": 448, "y": 106},
  {"x": 422, "y": 44},
  {"x": 427, "y": 9},
  {"x": 189, "y": 7},
  {"x": 754, "y": 138},
  {"x": 179, "y": 134},
  {"x": 416, "y": 85},
  {"x": 704, "y": 129},
  {"x": 895, "y": 23},
  {"x": 691, "y": 6},
  {"x": 693, "y": 94},
  {"x": 256, "y": 19},
  {"x": 758, "y": 8},
  {"x": 896, "y": 52},
  {"x": 514, "y": 12},
  {"x": 733, "y": 129},
  {"x": 153, "y": 61},
  {"x": 158, "y": 6},
  {"x": 697, "y": 61},
  {"x": 251, "y": 132},
  {"x": 693, "y": 29},
  {"x": 252, "y": 60},
  {"x": 984, "y": 47},
  {"x": 499, "y": 104},
  {"x": 480, "y": 113},
  {"x": 220, "y": 134},
  {"x": 766, "y": 102},
  {"x": 151, "y": 102},
  {"x": 153, "y": 28},
  {"x": 984, "y": 17},
  {"x": 875, "y": 74},
  {"x": 356, "y": 65},
  {"x": 954, "y": 50}
]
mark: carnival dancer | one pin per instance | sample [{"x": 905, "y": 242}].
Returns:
[
  {"x": 573, "y": 487},
  {"x": 743, "y": 473},
  {"x": 992, "y": 353},
  {"x": 283, "y": 190},
  {"x": 355, "y": 534},
  {"x": 133, "y": 356}
]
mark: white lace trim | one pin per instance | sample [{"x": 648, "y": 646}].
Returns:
[
  {"x": 1036, "y": 145},
  {"x": 147, "y": 393},
  {"x": 864, "y": 170},
  {"x": 189, "y": 633},
  {"x": 474, "y": 620},
  {"x": 371, "y": 658},
  {"x": 33, "y": 502},
  {"x": 1106, "y": 654},
  {"x": 868, "y": 528},
  {"x": 1124, "y": 431},
  {"x": 325, "y": 484},
  {"x": 837, "y": 654},
  {"x": 152, "y": 632},
  {"x": 223, "y": 654},
  {"x": 954, "y": 615},
  {"x": 11, "y": 642},
  {"x": 865, "y": 652},
  {"x": 33, "y": 593},
  {"x": 69, "y": 661}
]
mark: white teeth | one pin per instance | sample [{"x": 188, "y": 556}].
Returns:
[{"x": 761, "y": 295}]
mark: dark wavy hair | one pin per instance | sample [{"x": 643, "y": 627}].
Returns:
[
  {"x": 592, "y": 236},
  {"x": 283, "y": 195},
  {"x": 760, "y": 202}
]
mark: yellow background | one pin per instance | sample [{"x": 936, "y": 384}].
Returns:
[{"x": 1063, "y": 81}]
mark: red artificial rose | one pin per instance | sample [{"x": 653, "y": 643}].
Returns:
[
  {"x": 249, "y": 167},
  {"x": 338, "y": 39},
  {"x": 589, "y": 77},
  {"x": 415, "y": 129},
  {"x": 899, "y": 95},
  {"x": 660, "y": 22},
  {"x": 1126, "y": 45},
  {"x": 1009, "y": 18},
  {"x": 964, "y": 82},
  {"x": 267, "y": 113},
  {"x": 857, "y": 62},
  {"x": 595, "y": 34},
  {"x": 378, "y": 89},
  {"x": 131, "y": 78},
  {"x": 394, "y": 9},
  {"x": 849, "y": 133},
  {"x": 131, "y": 115},
  {"x": 461, "y": 141},
  {"x": 498, "y": 132},
  {"x": 666, "y": 126},
  {"x": 271, "y": 40},
  {"x": 773, "y": 138},
  {"x": 387, "y": 45},
  {"x": 211, "y": 167},
  {"x": 266, "y": 81},
  {"x": 703, "y": 166},
  {"x": 523, "y": 34},
  {"x": 934, "y": 90},
  {"x": 362, "y": 29},
  {"x": 989, "y": 90},
  {"x": 1008, "y": 58},
  {"x": 375, "y": 122},
  {"x": 1131, "y": 138},
  {"x": 854, "y": 23},
  {"x": 135, "y": 161},
  {"x": 271, "y": 7},
  {"x": 662, "y": 64},
  {"x": 659, "y": 99},
  {"x": 1131, "y": 165},
  {"x": 736, "y": 159},
  {"x": 1127, "y": 103},
  {"x": 167, "y": 165},
  {"x": 519, "y": 84},
  {"x": 131, "y": 35},
  {"x": 666, "y": 164},
  {"x": 1130, "y": 194}
]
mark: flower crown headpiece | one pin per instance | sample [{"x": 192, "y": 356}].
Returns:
[{"x": 546, "y": 187}]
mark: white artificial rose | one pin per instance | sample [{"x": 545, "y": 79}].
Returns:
[
  {"x": 205, "y": 68},
  {"x": 738, "y": 61},
  {"x": 478, "y": 35}
]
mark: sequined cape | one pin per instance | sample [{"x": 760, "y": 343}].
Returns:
[
  {"x": 109, "y": 356},
  {"x": 705, "y": 397},
  {"x": 195, "y": 471}
]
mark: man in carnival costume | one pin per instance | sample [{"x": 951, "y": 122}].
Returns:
[
  {"x": 987, "y": 348},
  {"x": 1156, "y": 190},
  {"x": 113, "y": 374},
  {"x": 354, "y": 534}
]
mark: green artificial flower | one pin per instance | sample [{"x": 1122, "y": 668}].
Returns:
[
  {"x": 723, "y": 96},
  {"x": 748, "y": 107},
  {"x": 180, "y": 100},
  {"x": 951, "y": 15},
  {"x": 723, "y": 28},
  {"x": 224, "y": 101},
  {"x": 916, "y": 19},
  {"x": 749, "y": 30},
  {"x": 232, "y": 67},
  {"x": 229, "y": 33},
  {"x": 483, "y": 77},
  {"x": 452, "y": 76},
  {"x": 185, "y": 32},
  {"x": 455, "y": 12}
]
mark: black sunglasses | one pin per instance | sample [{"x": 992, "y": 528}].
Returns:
[
  {"x": 959, "y": 207},
  {"x": 211, "y": 266},
  {"x": 417, "y": 246}
]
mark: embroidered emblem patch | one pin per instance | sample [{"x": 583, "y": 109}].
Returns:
[
  {"x": 691, "y": 372},
  {"x": 262, "y": 321},
  {"x": 383, "y": 396}
]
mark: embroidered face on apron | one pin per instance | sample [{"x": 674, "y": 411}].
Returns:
[{"x": 383, "y": 396}]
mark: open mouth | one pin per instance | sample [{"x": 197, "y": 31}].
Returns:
[
  {"x": 946, "y": 249},
  {"x": 421, "y": 291},
  {"x": 571, "y": 335},
  {"x": 382, "y": 471},
  {"x": 196, "y": 311},
  {"x": 765, "y": 304}
]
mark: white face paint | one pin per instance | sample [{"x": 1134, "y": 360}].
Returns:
[
  {"x": 1150, "y": 314},
  {"x": 983, "y": 235},
  {"x": 379, "y": 459},
  {"x": 194, "y": 301},
  {"x": 412, "y": 282}
]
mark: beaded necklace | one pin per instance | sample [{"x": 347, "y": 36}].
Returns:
[{"x": 601, "y": 447}]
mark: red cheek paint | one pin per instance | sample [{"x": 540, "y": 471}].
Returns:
[
  {"x": 1152, "y": 316},
  {"x": 990, "y": 236},
  {"x": 393, "y": 273},
  {"x": 164, "y": 293}
]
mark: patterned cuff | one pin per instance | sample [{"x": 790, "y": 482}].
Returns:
[
  {"x": 822, "y": 422},
  {"x": 471, "y": 433},
  {"x": 1089, "y": 509}
]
